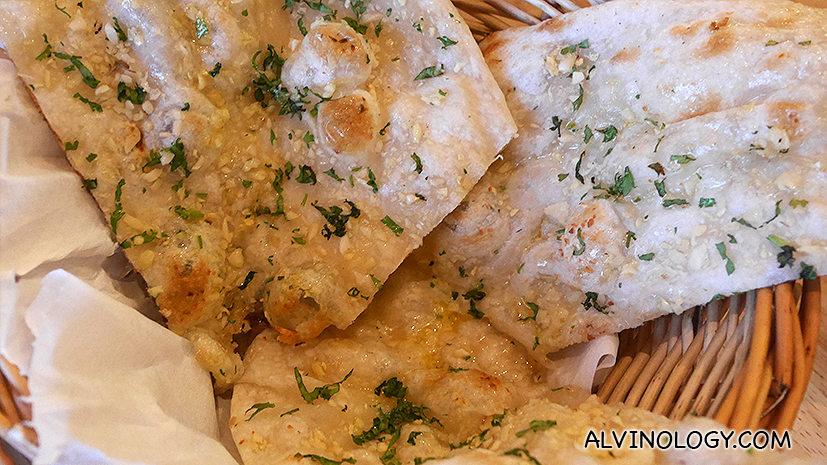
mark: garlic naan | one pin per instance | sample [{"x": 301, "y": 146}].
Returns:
[
  {"x": 670, "y": 152},
  {"x": 281, "y": 157}
]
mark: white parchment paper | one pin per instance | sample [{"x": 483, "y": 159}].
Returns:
[{"x": 108, "y": 385}]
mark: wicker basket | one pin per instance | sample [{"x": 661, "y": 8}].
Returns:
[{"x": 745, "y": 360}]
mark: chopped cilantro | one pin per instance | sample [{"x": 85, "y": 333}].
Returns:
[
  {"x": 670, "y": 202},
  {"x": 354, "y": 24},
  {"x": 647, "y": 256},
  {"x": 258, "y": 408},
  {"x": 95, "y": 107},
  {"x": 372, "y": 181},
  {"x": 391, "y": 224},
  {"x": 325, "y": 392},
  {"x": 795, "y": 203},
  {"x": 609, "y": 133},
  {"x": 705, "y": 202},
  {"x": 537, "y": 425},
  {"x": 808, "y": 272},
  {"x": 335, "y": 218},
  {"x": 429, "y": 72},
  {"x": 682, "y": 159},
  {"x": 247, "y": 280},
  {"x": 591, "y": 302},
  {"x": 418, "y": 162},
  {"x": 622, "y": 186},
  {"x": 579, "y": 100},
  {"x": 582, "y": 246},
  {"x": 446, "y": 42},
  {"x": 71, "y": 145},
  {"x": 630, "y": 236},
  {"x": 534, "y": 309},
  {"x": 187, "y": 214},
  {"x": 324, "y": 460},
  {"x": 332, "y": 173},
  {"x": 306, "y": 175},
  {"x": 119, "y": 30},
  {"x": 136, "y": 95},
  {"x": 730, "y": 267}
]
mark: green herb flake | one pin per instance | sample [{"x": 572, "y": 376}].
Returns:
[
  {"x": 582, "y": 244},
  {"x": 325, "y": 391},
  {"x": 577, "y": 174},
  {"x": 592, "y": 302},
  {"x": 391, "y": 224},
  {"x": 372, "y": 181},
  {"x": 332, "y": 173},
  {"x": 795, "y": 203},
  {"x": 62, "y": 10},
  {"x": 630, "y": 236},
  {"x": 324, "y": 460},
  {"x": 306, "y": 175},
  {"x": 706, "y": 202},
  {"x": 418, "y": 162},
  {"x": 670, "y": 202},
  {"x": 647, "y": 257},
  {"x": 215, "y": 70},
  {"x": 90, "y": 184},
  {"x": 256, "y": 408},
  {"x": 244, "y": 12},
  {"x": 660, "y": 187},
  {"x": 446, "y": 42},
  {"x": 187, "y": 214},
  {"x": 337, "y": 219},
  {"x": 95, "y": 107},
  {"x": 535, "y": 309},
  {"x": 71, "y": 145},
  {"x": 354, "y": 24},
  {"x": 537, "y": 425},
  {"x": 562, "y": 176},
  {"x": 430, "y": 72},
  {"x": 136, "y": 95},
  {"x": 587, "y": 134},
  {"x": 730, "y": 267},
  {"x": 682, "y": 159},
  {"x": 808, "y": 272},
  {"x": 609, "y": 133},
  {"x": 579, "y": 100},
  {"x": 119, "y": 30},
  {"x": 770, "y": 43}
]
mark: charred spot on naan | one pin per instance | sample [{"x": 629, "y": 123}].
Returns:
[
  {"x": 349, "y": 124},
  {"x": 627, "y": 55},
  {"x": 183, "y": 297},
  {"x": 332, "y": 60}
]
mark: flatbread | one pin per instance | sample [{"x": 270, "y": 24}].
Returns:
[
  {"x": 459, "y": 367},
  {"x": 489, "y": 397},
  {"x": 670, "y": 153},
  {"x": 258, "y": 157}
]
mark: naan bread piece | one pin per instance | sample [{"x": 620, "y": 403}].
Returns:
[
  {"x": 442, "y": 374},
  {"x": 669, "y": 153},
  {"x": 260, "y": 156}
]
